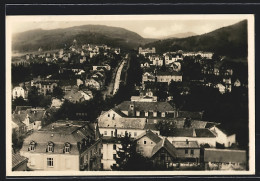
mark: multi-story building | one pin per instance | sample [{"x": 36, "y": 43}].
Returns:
[
  {"x": 20, "y": 92},
  {"x": 147, "y": 50},
  {"x": 64, "y": 145}
]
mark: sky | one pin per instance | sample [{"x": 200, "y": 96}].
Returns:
[{"x": 148, "y": 26}]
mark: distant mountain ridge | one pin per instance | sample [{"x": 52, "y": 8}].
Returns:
[
  {"x": 179, "y": 35},
  {"x": 92, "y": 34},
  {"x": 229, "y": 41}
]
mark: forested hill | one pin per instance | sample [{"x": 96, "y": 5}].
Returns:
[
  {"x": 92, "y": 34},
  {"x": 229, "y": 41}
]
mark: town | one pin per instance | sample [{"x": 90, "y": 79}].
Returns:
[{"x": 90, "y": 107}]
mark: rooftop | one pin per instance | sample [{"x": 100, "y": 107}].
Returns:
[
  {"x": 185, "y": 144},
  {"x": 17, "y": 159},
  {"x": 155, "y": 138},
  {"x": 164, "y": 143},
  {"x": 224, "y": 155},
  {"x": 146, "y": 106}
]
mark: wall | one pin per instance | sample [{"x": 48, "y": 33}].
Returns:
[
  {"x": 222, "y": 138},
  {"x": 181, "y": 152},
  {"x": 121, "y": 132},
  {"x": 203, "y": 140},
  {"x": 108, "y": 151},
  {"x": 145, "y": 149},
  {"x": 61, "y": 162}
]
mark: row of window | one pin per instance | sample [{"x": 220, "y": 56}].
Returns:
[
  {"x": 50, "y": 147},
  {"x": 112, "y": 133},
  {"x": 187, "y": 152}
]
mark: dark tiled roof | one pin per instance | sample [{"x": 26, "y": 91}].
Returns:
[
  {"x": 224, "y": 155},
  {"x": 17, "y": 159},
  {"x": 129, "y": 123},
  {"x": 150, "y": 126},
  {"x": 21, "y": 108},
  {"x": 155, "y": 138},
  {"x": 185, "y": 144},
  {"x": 204, "y": 133},
  {"x": 62, "y": 132},
  {"x": 164, "y": 143},
  {"x": 146, "y": 106},
  {"x": 182, "y": 132},
  {"x": 225, "y": 130},
  {"x": 188, "y": 114},
  {"x": 160, "y": 73}
]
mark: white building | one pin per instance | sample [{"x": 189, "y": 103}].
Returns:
[{"x": 20, "y": 92}]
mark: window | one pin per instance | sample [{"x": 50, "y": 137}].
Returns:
[
  {"x": 114, "y": 156},
  {"x": 105, "y": 132},
  {"x": 135, "y": 133},
  {"x": 32, "y": 146},
  {"x": 114, "y": 146},
  {"x": 163, "y": 114},
  {"x": 154, "y": 114},
  {"x": 108, "y": 115},
  {"x": 67, "y": 147},
  {"x": 112, "y": 133},
  {"x": 146, "y": 113},
  {"x": 186, "y": 151},
  {"x": 50, "y": 147},
  {"x": 50, "y": 162},
  {"x": 137, "y": 113},
  {"x": 151, "y": 143},
  {"x": 192, "y": 152},
  {"x": 144, "y": 142}
]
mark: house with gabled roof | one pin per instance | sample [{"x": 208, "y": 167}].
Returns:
[
  {"x": 222, "y": 136},
  {"x": 164, "y": 154},
  {"x": 187, "y": 151},
  {"x": 146, "y": 141},
  {"x": 201, "y": 135}
]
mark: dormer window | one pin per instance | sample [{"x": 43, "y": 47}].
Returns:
[
  {"x": 32, "y": 146},
  {"x": 163, "y": 114},
  {"x": 137, "y": 113},
  {"x": 50, "y": 147},
  {"x": 146, "y": 113},
  {"x": 154, "y": 114},
  {"x": 67, "y": 147}
]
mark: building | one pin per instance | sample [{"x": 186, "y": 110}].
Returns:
[
  {"x": 222, "y": 136},
  {"x": 200, "y": 135},
  {"x": 76, "y": 96},
  {"x": 110, "y": 146},
  {"x": 224, "y": 159},
  {"x": 156, "y": 60},
  {"x": 98, "y": 67},
  {"x": 57, "y": 103},
  {"x": 20, "y": 92},
  {"x": 64, "y": 145},
  {"x": 19, "y": 163},
  {"x": 93, "y": 84},
  {"x": 171, "y": 58},
  {"x": 45, "y": 86},
  {"x": 148, "y": 77},
  {"x": 145, "y": 96},
  {"x": 168, "y": 76},
  {"x": 146, "y": 142},
  {"x": 30, "y": 119},
  {"x": 147, "y": 50},
  {"x": 188, "y": 152},
  {"x": 164, "y": 155}
]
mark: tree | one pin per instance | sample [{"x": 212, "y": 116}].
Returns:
[
  {"x": 18, "y": 102},
  {"x": 58, "y": 92},
  {"x": 165, "y": 127},
  {"x": 17, "y": 141},
  {"x": 128, "y": 159}
]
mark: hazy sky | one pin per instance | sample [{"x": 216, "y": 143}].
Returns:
[{"x": 151, "y": 26}]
